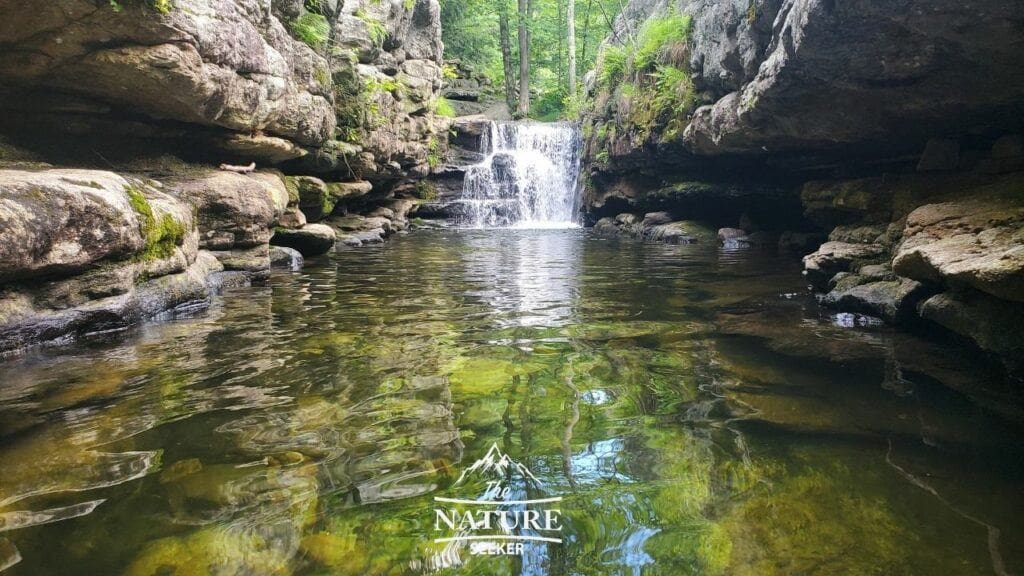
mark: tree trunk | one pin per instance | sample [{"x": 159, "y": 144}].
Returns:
[
  {"x": 570, "y": 35},
  {"x": 506, "y": 55},
  {"x": 524, "y": 59},
  {"x": 586, "y": 31}
]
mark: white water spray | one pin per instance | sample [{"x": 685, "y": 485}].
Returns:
[{"x": 527, "y": 179}]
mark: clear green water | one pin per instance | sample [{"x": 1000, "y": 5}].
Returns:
[{"x": 695, "y": 409}]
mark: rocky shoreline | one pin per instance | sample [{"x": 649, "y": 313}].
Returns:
[
  {"x": 153, "y": 153},
  {"x": 255, "y": 135},
  {"x": 881, "y": 143}
]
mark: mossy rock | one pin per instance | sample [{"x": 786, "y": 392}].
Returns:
[
  {"x": 209, "y": 552},
  {"x": 162, "y": 234}
]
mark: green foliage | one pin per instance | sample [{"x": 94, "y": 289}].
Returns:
[
  {"x": 657, "y": 36},
  {"x": 378, "y": 33},
  {"x": 161, "y": 6},
  {"x": 385, "y": 84},
  {"x": 426, "y": 190},
  {"x": 312, "y": 29},
  {"x": 550, "y": 105},
  {"x": 573, "y": 106},
  {"x": 649, "y": 78},
  {"x": 434, "y": 152},
  {"x": 448, "y": 72},
  {"x": 442, "y": 107},
  {"x": 614, "y": 63},
  {"x": 470, "y": 30},
  {"x": 409, "y": 4}
]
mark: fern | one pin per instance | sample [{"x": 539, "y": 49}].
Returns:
[
  {"x": 657, "y": 35},
  {"x": 614, "y": 60},
  {"x": 312, "y": 29}
]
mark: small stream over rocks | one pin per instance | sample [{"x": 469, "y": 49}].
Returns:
[{"x": 527, "y": 179}]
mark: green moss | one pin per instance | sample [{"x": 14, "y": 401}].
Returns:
[
  {"x": 161, "y": 6},
  {"x": 293, "y": 190},
  {"x": 312, "y": 29},
  {"x": 161, "y": 235},
  {"x": 322, "y": 77}
]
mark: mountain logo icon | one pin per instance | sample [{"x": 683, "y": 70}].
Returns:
[{"x": 497, "y": 465}]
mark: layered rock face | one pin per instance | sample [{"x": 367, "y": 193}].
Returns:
[
  {"x": 884, "y": 134},
  {"x": 90, "y": 250},
  {"x": 201, "y": 132},
  {"x": 225, "y": 64},
  {"x": 946, "y": 250},
  {"x": 813, "y": 81}
]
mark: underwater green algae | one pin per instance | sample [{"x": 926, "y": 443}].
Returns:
[{"x": 305, "y": 427}]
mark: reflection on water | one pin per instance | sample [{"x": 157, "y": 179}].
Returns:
[{"x": 696, "y": 411}]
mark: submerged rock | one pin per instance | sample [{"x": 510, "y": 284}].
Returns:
[
  {"x": 98, "y": 303},
  {"x": 285, "y": 257},
  {"x": 682, "y": 232},
  {"x": 891, "y": 300},
  {"x": 993, "y": 324}
]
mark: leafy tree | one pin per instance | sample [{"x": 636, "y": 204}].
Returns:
[{"x": 560, "y": 38}]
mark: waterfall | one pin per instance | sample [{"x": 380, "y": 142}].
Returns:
[{"x": 527, "y": 179}]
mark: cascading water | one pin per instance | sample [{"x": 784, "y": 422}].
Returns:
[{"x": 527, "y": 179}]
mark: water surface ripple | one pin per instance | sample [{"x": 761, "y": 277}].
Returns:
[{"x": 694, "y": 407}]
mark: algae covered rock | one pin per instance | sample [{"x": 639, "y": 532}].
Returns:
[
  {"x": 59, "y": 222},
  {"x": 891, "y": 300}
]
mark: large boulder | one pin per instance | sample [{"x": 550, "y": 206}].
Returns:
[
  {"x": 93, "y": 251},
  {"x": 229, "y": 64},
  {"x": 235, "y": 210},
  {"x": 817, "y": 74},
  {"x": 993, "y": 324},
  {"x": 57, "y": 223},
  {"x": 975, "y": 242},
  {"x": 310, "y": 240}
]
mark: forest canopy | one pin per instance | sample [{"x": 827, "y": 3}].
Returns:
[{"x": 474, "y": 32}]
